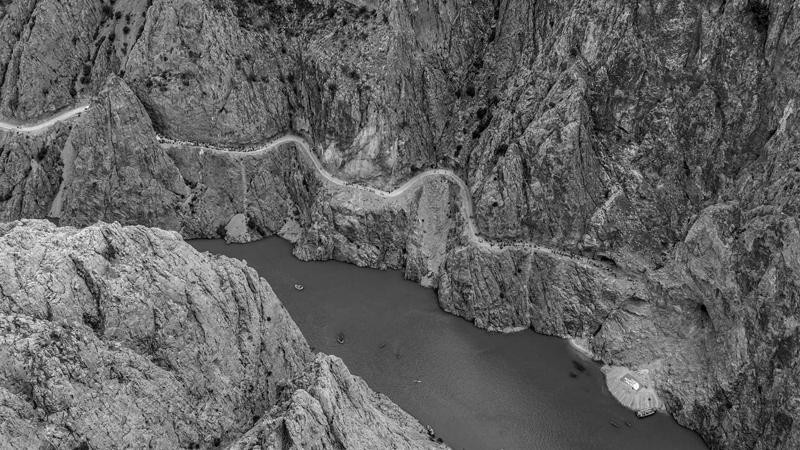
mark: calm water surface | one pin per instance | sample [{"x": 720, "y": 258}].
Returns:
[{"x": 478, "y": 390}]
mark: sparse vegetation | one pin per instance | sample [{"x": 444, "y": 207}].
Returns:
[
  {"x": 759, "y": 11},
  {"x": 86, "y": 76}
]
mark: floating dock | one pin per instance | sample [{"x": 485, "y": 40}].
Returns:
[{"x": 633, "y": 388}]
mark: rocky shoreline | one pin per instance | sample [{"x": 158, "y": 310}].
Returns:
[
  {"x": 655, "y": 140},
  {"x": 192, "y": 350}
]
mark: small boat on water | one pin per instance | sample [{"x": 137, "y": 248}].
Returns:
[
  {"x": 340, "y": 338},
  {"x": 299, "y": 287},
  {"x": 642, "y": 413}
]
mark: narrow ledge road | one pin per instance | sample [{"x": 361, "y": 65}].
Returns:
[
  {"x": 47, "y": 123},
  {"x": 304, "y": 147},
  {"x": 465, "y": 197}
]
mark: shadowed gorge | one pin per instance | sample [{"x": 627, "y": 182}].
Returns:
[
  {"x": 477, "y": 390},
  {"x": 619, "y": 174}
]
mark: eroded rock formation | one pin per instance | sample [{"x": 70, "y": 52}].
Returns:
[
  {"x": 329, "y": 405},
  {"x": 646, "y": 150},
  {"x": 113, "y": 337}
]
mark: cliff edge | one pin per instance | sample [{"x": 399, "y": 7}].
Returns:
[{"x": 117, "y": 336}]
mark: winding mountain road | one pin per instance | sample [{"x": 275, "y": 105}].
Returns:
[
  {"x": 60, "y": 117},
  {"x": 301, "y": 144}
]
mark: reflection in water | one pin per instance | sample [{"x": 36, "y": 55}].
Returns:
[{"x": 478, "y": 390}]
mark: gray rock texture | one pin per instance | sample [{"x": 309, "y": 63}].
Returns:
[
  {"x": 330, "y": 408},
  {"x": 647, "y": 150},
  {"x": 117, "y": 337}
]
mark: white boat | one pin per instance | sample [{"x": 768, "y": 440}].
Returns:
[
  {"x": 299, "y": 287},
  {"x": 642, "y": 413}
]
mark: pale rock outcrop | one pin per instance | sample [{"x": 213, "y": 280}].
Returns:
[
  {"x": 30, "y": 172},
  {"x": 114, "y": 164},
  {"x": 117, "y": 336},
  {"x": 55, "y": 52},
  {"x": 144, "y": 317},
  {"x": 619, "y": 131},
  {"x": 332, "y": 408},
  {"x": 517, "y": 288},
  {"x": 742, "y": 269},
  {"x": 190, "y": 46}
]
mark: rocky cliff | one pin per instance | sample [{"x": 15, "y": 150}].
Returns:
[
  {"x": 330, "y": 408},
  {"x": 116, "y": 337},
  {"x": 644, "y": 150}
]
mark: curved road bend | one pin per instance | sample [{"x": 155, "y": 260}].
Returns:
[
  {"x": 301, "y": 144},
  {"x": 60, "y": 117}
]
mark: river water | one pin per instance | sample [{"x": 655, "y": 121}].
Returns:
[{"x": 478, "y": 390}]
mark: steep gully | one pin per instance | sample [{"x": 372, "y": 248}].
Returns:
[{"x": 466, "y": 201}]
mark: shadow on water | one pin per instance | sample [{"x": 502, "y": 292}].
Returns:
[{"x": 478, "y": 390}]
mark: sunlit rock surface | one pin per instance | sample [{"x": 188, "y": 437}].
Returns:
[
  {"x": 657, "y": 140},
  {"x": 113, "y": 336}
]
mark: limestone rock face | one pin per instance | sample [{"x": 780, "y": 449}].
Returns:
[
  {"x": 113, "y": 336},
  {"x": 113, "y": 163},
  {"x": 743, "y": 268},
  {"x": 104, "y": 165},
  {"x": 356, "y": 227},
  {"x": 262, "y": 193},
  {"x": 54, "y": 52},
  {"x": 331, "y": 408},
  {"x": 657, "y": 140},
  {"x": 30, "y": 172},
  {"x": 112, "y": 322},
  {"x": 512, "y": 289},
  {"x": 187, "y": 46}
]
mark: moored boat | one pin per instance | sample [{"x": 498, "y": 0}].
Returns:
[
  {"x": 299, "y": 287},
  {"x": 642, "y": 413}
]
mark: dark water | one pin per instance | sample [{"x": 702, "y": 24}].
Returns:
[{"x": 478, "y": 390}]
